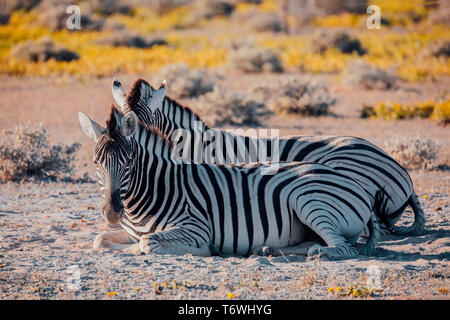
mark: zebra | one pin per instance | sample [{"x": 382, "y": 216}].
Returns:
[
  {"x": 165, "y": 205},
  {"x": 370, "y": 166}
]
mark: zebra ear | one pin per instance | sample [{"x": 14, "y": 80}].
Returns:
[
  {"x": 129, "y": 124},
  {"x": 158, "y": 97},
  {"x": 119, "y": 94},
  {"x": 91, "y": 128}
]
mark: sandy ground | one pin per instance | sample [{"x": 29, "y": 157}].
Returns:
[{"x": 47, "y": 229}]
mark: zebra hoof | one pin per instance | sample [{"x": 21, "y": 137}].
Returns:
[
  {"x": 409, "y": 231},
  {"x": 317, "y": 251},
  {"x": 366, "y": 251},
  {"x": 263, "y": 251},
  {"x": 213, "y": 251}
]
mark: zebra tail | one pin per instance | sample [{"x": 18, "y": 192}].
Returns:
[
  {"x": 368, "y": 248},
  {"x": 418, "y": 226},
  {"x": 419, "y": 215}
]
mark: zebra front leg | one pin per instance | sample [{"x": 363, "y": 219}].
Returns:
[
  {"x": 173, "y": 241},
  {"x": 299, "y": 249},
  {"x": 116, "y": 240}
]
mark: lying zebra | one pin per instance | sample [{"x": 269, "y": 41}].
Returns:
[
  {"x": 371, "y": 167},
  {"x": 165, "y": 205}
]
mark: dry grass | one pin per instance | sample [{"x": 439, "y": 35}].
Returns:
[
  {"x": 131, "y": 39},
  {"x": 42, "y": 50},
  {"x": 25, "y": 152},
  {"x": 184, "y": 82},
  {"x": 339, "y": 40},
  {"x": 223, "y": 106},
  {"x": 297, "y": 96},
  {"x": 415, "y": 152},
  {"x": 365, "y": 76},
  {"x": 208, "y": 9},
  {"x": 252, "y": 59}
]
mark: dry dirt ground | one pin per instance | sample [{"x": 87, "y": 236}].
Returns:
[{"x": 47, "y": 228}]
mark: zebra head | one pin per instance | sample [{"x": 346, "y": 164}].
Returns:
[
  {"x": 143, "y": 100},
  {"x": 113, "y": 157}
]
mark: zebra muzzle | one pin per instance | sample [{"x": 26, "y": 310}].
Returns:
[{"x": 113, "y": 208}]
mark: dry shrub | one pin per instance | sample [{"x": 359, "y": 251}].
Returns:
[
  {"x": 415, "y": 152},
  {"x": 130, "y": 39},
  {"x": 208, "y": 9},
  {"x": 8, "y": 6},
  {"x": 105, "y": 7},
  {"x": 365, "y": 76},
  {"x": 328, "y": 7},
  {"x": 25, "y": 152},
  {"x": 42, "y": 50},
  {"x": 252, "y": 59},
  {"x": 437, "y": 49},
  {"x": 4, "y": 18},
  {"x": 164, "y": 6},
  {"x": 55, "y": 17},
  {"x": 337, "y": 39},
  {"x": 296, "y": 96},
  {"x": 222, "y": 106},
  {"x": 249, "y": 1},
  {"x": 261, "y": 22},
  {"x": 440, "y": 16},
  {"x": 185, "y": 83},
  {"x": 111, "y": 24}
]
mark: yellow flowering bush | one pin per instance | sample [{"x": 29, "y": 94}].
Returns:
[
  {"x": 344, "y": 20},
  {"x": 403, "y": 53},
  {"x": 264, "y": 6},
  {"x": 403, "y": 12},
  {"x": 438, "y": 111},
  {"x": 146, "y": 21}
]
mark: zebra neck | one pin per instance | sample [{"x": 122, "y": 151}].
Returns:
[
  {"x": 175, "y": 116},
  {"x": 152, "y": 174}
]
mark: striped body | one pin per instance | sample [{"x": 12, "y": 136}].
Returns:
[
  {"x": 175, "y": 207},
  {"x": 370, "y": 166}
]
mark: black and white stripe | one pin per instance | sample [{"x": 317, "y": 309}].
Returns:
[
  {"x": 177, "y": 207},
  {"x": 370, "y": 166}
]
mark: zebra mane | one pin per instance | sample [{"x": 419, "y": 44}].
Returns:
[
  {"x": 155, "y": 131},
  {"x": 111, "y": 122},
  {"x": 134, "y": 96},
  {"x": 135, "y": 93},
  {"x": 113, "y": 130}
]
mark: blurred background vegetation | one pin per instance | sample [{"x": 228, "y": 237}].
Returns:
[
  {"x": 143, "y": 36},
  {"x": 187, "y": 40},
  {"x": 235, "y": 62}
]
